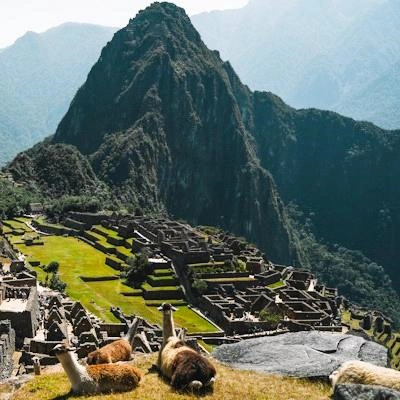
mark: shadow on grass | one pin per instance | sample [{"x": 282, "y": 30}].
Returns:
[
  {"x": 64, "y": 396},
  {"x": 195, "y": 393}
]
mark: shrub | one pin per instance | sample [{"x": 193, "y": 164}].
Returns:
[
  {"x": 200, "y": 286},
  {"x": 269, "y": 316},
  {"x": 52, "y": 267},
  {"x": 55, "y": 283}
]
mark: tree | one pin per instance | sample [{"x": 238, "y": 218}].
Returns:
[
  {"x": 136, "y": 272},
  {"x": 52, "y": 267},
  {"x": 200, "y": 286},
  {"x": 55, "y": 283}
]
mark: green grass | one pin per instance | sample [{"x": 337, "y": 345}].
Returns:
[
  {"x": 6, "y": 230},
  {"x": 163, "y": 272},
  {"x": 276, "y": 285},
  {"x": 78, "y": 258},
  {"x": 107, "y": 232},
  {"x": 123, "y": 250},
  {"x": 162, "y": 278},
  {"x": 209, "y": 264},
  {"x": 17, "y": 225},
  {"x": 43, "y": 221},
  {"x": 96, "y": 236},
  {"x": 150, "y": 288}
]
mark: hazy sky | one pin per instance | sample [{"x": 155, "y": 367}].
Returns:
[{"x": 19, "y": 16}]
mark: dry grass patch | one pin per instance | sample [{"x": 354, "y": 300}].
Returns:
[{"x": 231, "y": 385}]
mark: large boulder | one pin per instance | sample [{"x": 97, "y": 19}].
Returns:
[
  {"x": 364, "y": 392},
  {"x": 301, "y": 354}
]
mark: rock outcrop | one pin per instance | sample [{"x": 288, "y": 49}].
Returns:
[
  {"x": 301, "y": 354},
  {"x": 364, "y": 392}
]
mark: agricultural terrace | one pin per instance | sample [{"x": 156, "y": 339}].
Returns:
[
  {"x": 391, "y": 341},
  {"x": 79, "y": 259}
]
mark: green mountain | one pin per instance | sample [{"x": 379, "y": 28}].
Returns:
[
  {"x": 160, "y": 124},
  {"x": 314, "y": 53},
  {"x": 40, "y": 74},
  {"x": 166, "y": 125}
]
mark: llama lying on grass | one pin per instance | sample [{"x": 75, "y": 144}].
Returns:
[
  {"x": 95, "y": 379},
  {"x": 364, "y": 373},
  {"x": 183, "y": 366},
  {"x": 120, "y": 350}
]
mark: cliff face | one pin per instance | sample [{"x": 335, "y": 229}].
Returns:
[{"x": 344, "y": 174}]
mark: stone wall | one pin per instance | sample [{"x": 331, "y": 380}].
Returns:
[
  {"x": 24, "y": 323},
  {"x": 7, "y": 348},
  {"x": 87, "y": 218}
]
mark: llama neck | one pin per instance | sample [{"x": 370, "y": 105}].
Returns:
[
  {"x": 168, "y": 326},
  {"x": 132, "y": 331},
  {"x": 76, "y": 373}
]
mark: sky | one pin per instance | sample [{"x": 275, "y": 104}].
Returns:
[{"x": 20, "y": 16}]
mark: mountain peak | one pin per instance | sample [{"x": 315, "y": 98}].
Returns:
[{"x": 160, "y": 18}]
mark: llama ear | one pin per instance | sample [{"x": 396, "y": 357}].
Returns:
[
  {"x": 174, "y": 308},
  {"x": 160, "y": 308}
]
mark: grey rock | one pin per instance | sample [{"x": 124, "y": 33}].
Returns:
[
  {"x": 364, "y": 392},
  {"x": 301, "y": 354}
]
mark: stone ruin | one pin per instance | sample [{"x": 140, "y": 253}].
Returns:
[{"x": 234, "y": 299}]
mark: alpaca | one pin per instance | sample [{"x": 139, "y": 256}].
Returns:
[
  {"x": 182, "y": 334},
  {"x": 95, "y": 379},
  {"x": 168, "y": 322},
  {"x": 366, "y": 374},
  {"x": 120, "y": 350},
  {"x": 183, "y": 366}
]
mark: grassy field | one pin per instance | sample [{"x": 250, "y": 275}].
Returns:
[
  {"x": 230, "y": 385},
  {"x": 77, "y": 259}
]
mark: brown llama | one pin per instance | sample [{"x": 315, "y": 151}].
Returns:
[
  {"x": 182, "y": 365},
  {"x": 120, "y": 350},
  {"x": 96, "y": 379}
]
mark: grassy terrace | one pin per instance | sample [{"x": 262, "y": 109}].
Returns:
[
  {"x": 276, "y": 285},
  {"x": 43, "y": 221},
  {"x": 382, "y": 338},
  {"x": 78, "y": 258},
  {"x": 18, "y": 224},
  {"x": 107, "y": 232}
]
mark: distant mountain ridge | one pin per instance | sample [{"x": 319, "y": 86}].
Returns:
[
  {"x": 322, "y": 54},
  {"x": 165, "y": 125},
  {"x": 40, "y": 73}
]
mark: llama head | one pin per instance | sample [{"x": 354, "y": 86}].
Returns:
[
  {"x": 62, "y": 349},
  {"x": 166, "y": 308},
  {"x": 175, "y": 342}
]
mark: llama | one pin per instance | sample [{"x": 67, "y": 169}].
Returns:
[
  {"x": 183, "y": 366},
  {"x": 95, "y": 379},
  {"x": 120, "y": 350},
  {"x": 361, "y": 372}
]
